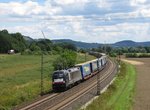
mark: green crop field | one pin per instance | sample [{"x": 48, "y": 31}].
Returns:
[
  {"x": 20, "y": 77},
  {"x": 137, "y": 55},
  {"x": 119, "y": 95}
]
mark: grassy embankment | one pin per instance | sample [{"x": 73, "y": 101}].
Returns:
[
  {"x": 119, "y": 95},
  {"x": 20, "y": 77}
]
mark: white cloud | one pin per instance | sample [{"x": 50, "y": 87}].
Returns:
[
  {"x": 104, "y": 4},
  {"x": 137, "y": 2},
  {"x": 145, "y": 12},
  {"x": 83, "y": 31},
  {"x": 28, "y": 8},
  {"x": 68, "y": 2},
  {"x": 78, "y": 19}
]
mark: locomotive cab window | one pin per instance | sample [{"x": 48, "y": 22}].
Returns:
[{"x": 58, "y": 75}]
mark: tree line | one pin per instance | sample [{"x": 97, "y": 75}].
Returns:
[
  {"x": 17, "y": 42},
  {"x": 11, "y": 41},
  {"x": 128, "y": 51}
]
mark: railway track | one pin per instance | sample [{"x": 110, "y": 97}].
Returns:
[
  {"x": 59, "y": 101},
  {"x": 40, "y": 102}
]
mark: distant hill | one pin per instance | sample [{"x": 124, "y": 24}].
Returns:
[
  {"x": 78, "y": 43},
  {"x": 129, "y": 43},
  {"x": 125, "y": 43}
]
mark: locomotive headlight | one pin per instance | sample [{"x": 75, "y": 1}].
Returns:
[{"x": 59, "y": 80}]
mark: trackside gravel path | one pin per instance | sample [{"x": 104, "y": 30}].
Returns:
[{"x": 142, "y": 93}]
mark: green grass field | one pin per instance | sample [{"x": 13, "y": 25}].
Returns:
[
  {"x": 20, "y": 77},
  {"x": 119, "y": 95}
]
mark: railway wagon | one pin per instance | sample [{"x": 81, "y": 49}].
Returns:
[
  {"x": 85, "y": 69},
  {"x": 74, "y": 76},
  {"x": 94, "y": 66},
  {"x": 104, "y": 60},
  {"x": 100, "y": 62},
  {"x": 96, "y": 54}
]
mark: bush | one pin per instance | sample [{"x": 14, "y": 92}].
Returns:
[
  {"x": 131, "y": 55},
  {"x": 144, "y": 55},
  {"x": 36, "y": 53},
  {"x": 34, "y": 47},
  {"x": 29, "y": 52},
  {"x": 138, "y": 55},
  {"x": 112, "y": 54},
  {"x": 65, "y": 60},
  {"x": 26, "y": 52}
]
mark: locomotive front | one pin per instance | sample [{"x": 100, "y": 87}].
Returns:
[{"x": 58, "y": 80}]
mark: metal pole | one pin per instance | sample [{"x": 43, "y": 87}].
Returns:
[
  {"x": 98, "y": 83},
  {"x": 85, "y": 57},
  {"x": 42, "y": 73},
  {"x": 42, "y": 59},
  {"x": 105, "y": 47},
  {"x": 119, "y": 61},
  {"x": 119, "y": 57},
  {"x": 98, "y": 80}
]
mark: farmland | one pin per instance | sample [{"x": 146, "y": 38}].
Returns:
[
  {"x": 20, "y": 77},
  {"x": 142, "y": 99},
  {"x": 138, "y": 55}
]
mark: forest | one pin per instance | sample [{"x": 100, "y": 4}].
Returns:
[{"x": 16, "y": 41}]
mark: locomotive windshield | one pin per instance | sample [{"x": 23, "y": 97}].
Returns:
[{"x": 58, "y": 75}]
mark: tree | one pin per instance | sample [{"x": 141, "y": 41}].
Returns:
[
  {"x": 11, "y": 41},
  {"x": 18, "y": 42},
  {"x": 68, "y": 46},
  {"x": 57, "y": 48},
  {"x": 5, "y": 41},
  {"x": 45, "y": 44},
  {"x": 82, "y": 50},
  {"x": 65, "y": 60},
  {"x": 34, "y": 47},
  {"x": 147, "y": 49},
  {"x": 108, "y": 49},
  {"x": 100, "y": 49}
]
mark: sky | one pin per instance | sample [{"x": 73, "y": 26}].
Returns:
[{"x": 81, "y": 20}]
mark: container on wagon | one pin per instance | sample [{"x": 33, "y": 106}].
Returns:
[
  {"x": 85, "y": 69},
  {"x": 74, "y": 75},
  {"x": 94, "y": 65}
]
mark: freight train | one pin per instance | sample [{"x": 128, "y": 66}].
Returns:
[{"x": 64, "y": 79}]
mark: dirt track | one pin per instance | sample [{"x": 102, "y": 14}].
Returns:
[{"x": 142, "y": 96}]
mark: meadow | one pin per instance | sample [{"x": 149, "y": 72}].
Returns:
[
  {"x": 20, "y": 77},
  {"x": 119, "y": 95}
]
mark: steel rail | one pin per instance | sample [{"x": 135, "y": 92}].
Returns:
[{"x": 69, "y": 100}]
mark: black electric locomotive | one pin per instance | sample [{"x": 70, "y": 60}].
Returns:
[{"x": 63, "y": 79}]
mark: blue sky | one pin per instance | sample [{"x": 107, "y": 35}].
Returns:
[{"x": 82, "y": 20}]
